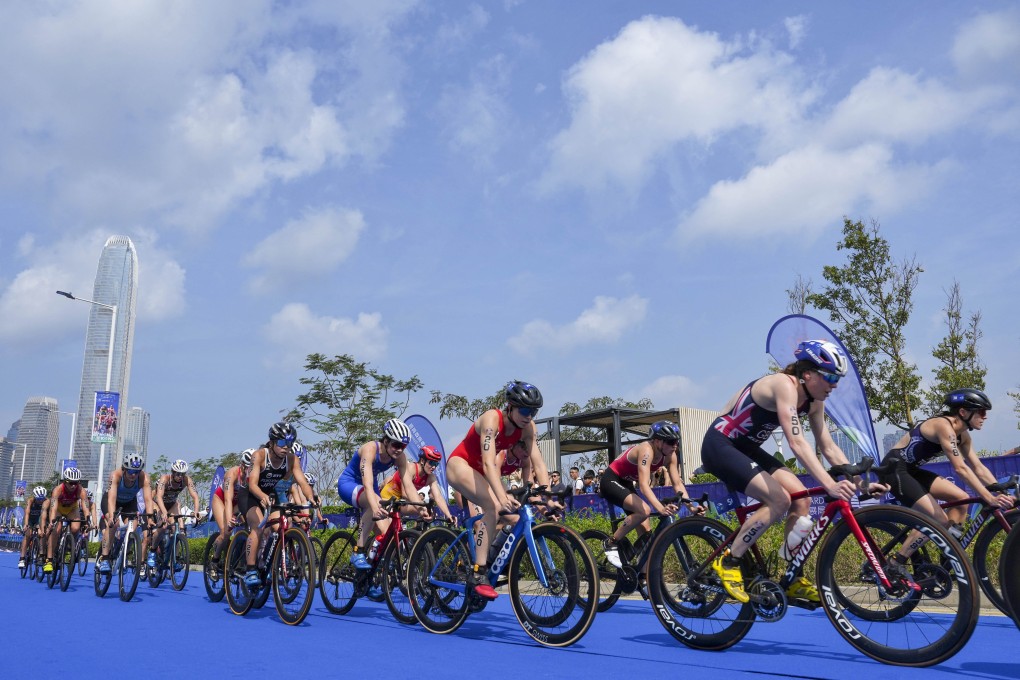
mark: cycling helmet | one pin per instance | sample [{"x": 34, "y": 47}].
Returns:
[
  {"x": 310, "y": 478},
  {"x": 246, "y": 457},
  {"x": 823, "y": 354},
  {"x": 90, "y": 496},
  {"x": 520, "y": 393},
  {"x": 397, "y": 430},
  {"x": 179, "y": 466},
  {"x": 298, "y": 449},
  {"x": 282, "y": 431},
  {"x": 431, "y": 453},
  {"x": 133, "y": 461},
  {"x": 665, "y": 430},
  {"x": 968, "y": 398},
  {"x": 72, "y": 474},
  {"x": 39, "y": 492}
]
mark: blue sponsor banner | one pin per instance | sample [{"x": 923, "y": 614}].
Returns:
[
  {"x": 104, "y": 417},
  {"x": 423, "y": 433},
  {"x": 217, "y": 482},
  {"x": 846, "y": 406},
  {"x": 20, "y": 487},
  {"x": 65, "y": 464}
]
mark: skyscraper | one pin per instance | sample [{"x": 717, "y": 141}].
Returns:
[
  {"x": 135, "y": 431},
  {"x": 116, "y": 284},
  {"x": 39, "y": 431}
]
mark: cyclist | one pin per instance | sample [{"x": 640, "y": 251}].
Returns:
[
  {"x": 637, "y": 465},
  {"x": 945, "y": 434},
  {"x": 357, "y": 483},
  {"x": 122, "y": 496},
  {"x": 168, "y": 488},
  {"x": 423, "y": 477},
  {"x": 298, "y": 498},
  {"x": 274, "y": 469},
  {"x": 473, "y": 470},
  {"x": 229, "y": 500},
  {"x": 68, "y": 500},
  {"x": 37, "y": 507},
  {"x": 732, "y": 451}
]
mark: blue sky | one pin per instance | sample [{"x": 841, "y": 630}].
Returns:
[{"x": 597, "y": 197}]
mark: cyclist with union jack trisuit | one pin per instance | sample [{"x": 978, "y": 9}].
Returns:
[{"x": 732, "y": 452}]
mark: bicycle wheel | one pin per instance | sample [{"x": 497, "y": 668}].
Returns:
[
  {"x": 686, "y": 594},
  {"x": 180, "y": 562},
  {"x": 338, "y": 584},
  {"x": 101, "y": 581},
  {"x": 317, "y": 549},
  {"x": 436, "y": 579},
  {"x": 238, "y": 597},
  {"x": 129, "y": 567},
  {"x": 988, "y": 549},
  {"x": 40, "y": 560},
  {"x": 560, "y": 612},
  {"x": 81, "y": 554},
  {"x": 65, "y": 557},
  {"x": 28, "y": 559},
  {"x": 212, "y": 574},
  {"x": 155, "y": 575},
  {"x": 925, "y": 626},
  {"x": 53, "y": 577},
  {"x": 394, "y": 576},
  {"x": 1009, "y": 577},
  {"x": 293, "y": 576},
  {"x": 609, "y": 576}
]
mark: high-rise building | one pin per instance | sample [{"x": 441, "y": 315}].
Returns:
[
  {"x": 39, "y": 431},
  {"x": 136, "y": 431},
  {"x": 116, "y": 284},
  {"x": 889, "y": 441}
]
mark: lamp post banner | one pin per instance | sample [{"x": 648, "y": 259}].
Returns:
[
  {"x": 423, "y": 433},
  {"x": 847, "y": 406},
  {"x": 20, "y": 487},
  {"x": 104, "y": 417}
]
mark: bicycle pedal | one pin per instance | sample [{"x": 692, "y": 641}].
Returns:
[{"x": 801, "y": 603}]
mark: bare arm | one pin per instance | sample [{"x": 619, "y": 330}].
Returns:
[{"x": 644, "y": 453}]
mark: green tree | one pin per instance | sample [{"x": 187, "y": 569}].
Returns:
[
  {"x": 959, "y": 364},
  {"x": 1016, "y": 406},
  {"x": 869, "y": 298},
  {"x": 457, "y": 406},
  {"x": 346, "y": 404}
]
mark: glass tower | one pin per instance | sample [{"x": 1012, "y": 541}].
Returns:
[
  {"x": 39, "y": 431},
  {"x": 116, "y": 284},
  {"x": 136, "y": 431}
]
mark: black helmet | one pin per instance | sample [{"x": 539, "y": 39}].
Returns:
[
  {"x": 968, "y": 398},
  {"x": 282, "y": 431},
  {"x": 665, "y": 430},
  {"x": 523, "y": 394}
]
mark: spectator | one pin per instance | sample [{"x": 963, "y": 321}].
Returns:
[
  {"x": 588, "y": 483},
  {"x": 555, "y": 485},
  {"x": 659, "y": 477},
  {"x": 575, "y": 481}
]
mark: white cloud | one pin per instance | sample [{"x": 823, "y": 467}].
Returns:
[
  {"x": 988, "y": 47},
  {"x": 320, "y": 240},
  {"x": 33, "y": 310},
  {"x": 659, "y": 83},
  {"x": 670, "y": 391},
  {"x": 173, "y": 114},
  {"x": 297, "y": 332},
  {"x": 806, "y": 189},
  {"x": 456, "y": 33},
  {"x": 477, "y": 114},
  {"x": 603, "y": 323},
  {"x": 796, "y": 27}
]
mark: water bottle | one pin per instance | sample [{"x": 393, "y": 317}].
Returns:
[
  {"x": 374, "y": 550},
  {"x": 801, "y": 528},
  {"x": 497, "y": 543}
]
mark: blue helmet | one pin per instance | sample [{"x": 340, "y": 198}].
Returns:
[
  {"x": 665, "y": 430},
  {"x": 823, "y": 354}
]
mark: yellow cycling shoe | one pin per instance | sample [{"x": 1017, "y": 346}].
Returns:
[
  {"x": 48, "y": 567},
  {"x": 727, "y": 568},
  {"x": 803, "y": 589}
]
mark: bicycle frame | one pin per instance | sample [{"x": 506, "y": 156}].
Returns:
[
  {"x": 975, "y": 524},
  {"x": 521, "y": 529}
]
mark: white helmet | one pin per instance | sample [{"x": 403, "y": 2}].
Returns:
[
  {"x": 397, "y": 430},
  {"x": 39, "y": 492},
  {"x": 310, "y": 478},
  {"x": 179, "y": 466},
  {"x": 247, "y": 456},
  {"x": 72, "y": 474},
  {"x": 133, "y": 461}
]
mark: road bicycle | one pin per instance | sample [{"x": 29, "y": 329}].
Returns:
[
  {"x": 31, "y": 554},
  {"x": 551, "y": 576},
  {"x": 917, "y": 616},
  {"x": 126, "y": 557},
  {"x": 341, "y": 584},
  {"x": 285, "y": 564},
  {"x": 628, "y": 579},
  {"x": 81, "y": 551},
  {"x": 173, "y": 555}
]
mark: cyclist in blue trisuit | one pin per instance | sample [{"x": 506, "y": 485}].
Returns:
[
  {"x": 122, "y": 496},
  {"x": 168, "y": 488},
  {"x": 38, "y": 508}
]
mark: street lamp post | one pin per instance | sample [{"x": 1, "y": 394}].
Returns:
[
  {"x": 109, "y": 370},
  {"x": 24, "y": 455},
  {"x": 74, "y": 426}
]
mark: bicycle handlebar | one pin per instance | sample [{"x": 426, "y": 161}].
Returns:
[{"x": 1011, "y": 484}]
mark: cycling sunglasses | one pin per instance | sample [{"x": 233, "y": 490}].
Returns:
[
  {"x": 830, "y": 378},
  {"x": 527, "y": 411},
  {"x": 284, "y": 443}
]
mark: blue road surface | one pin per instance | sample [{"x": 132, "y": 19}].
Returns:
[{"x": 180, "y": 634}]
